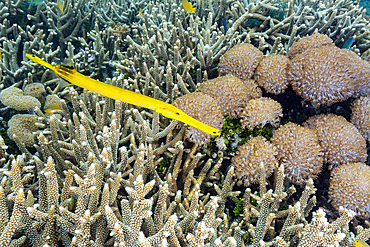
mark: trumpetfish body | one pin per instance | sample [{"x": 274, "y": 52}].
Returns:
[{"x": 69, "y": 74}]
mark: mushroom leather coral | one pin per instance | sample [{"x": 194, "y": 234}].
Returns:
[
  {"x": 249, "y": 157},
  {"x": 350, "y": 188},
  {"x": 340, "y": 140},
  {"x": 231, "y": 93},
  {"x": 240, "y": 61},
  {"x": 203, "y": 107},
  {"x": 299, "y": 150},
  {"x": 322, "y": 75}
]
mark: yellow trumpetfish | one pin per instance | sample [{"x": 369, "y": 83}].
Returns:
[
  {"x": 68, "y": 73},
  {"x": 360, "y": 243}
]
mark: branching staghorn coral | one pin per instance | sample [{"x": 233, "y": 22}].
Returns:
[
  {"x": 278, "y": 22},
  {"x": 168, "y": 45}
]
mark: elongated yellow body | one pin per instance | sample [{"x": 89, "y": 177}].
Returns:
[
  {"x": 69, "y": 74},
  {"x": 360, "y": 243}
]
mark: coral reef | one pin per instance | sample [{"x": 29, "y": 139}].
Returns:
[
  {"x": 94, "y": 172},
  {"x": 230, "y": 93},
  {"x": 350, "y": 188},
  {"x": 13, "y": 97},
  {"x": 204, "y": 108},
  {"x": 261, "y": 111},
  {"x": 240, "y": 61},
  {"x": 360, "y": 116},
  {"x": 341, "y": 142},
  {"x": 299, "y": 151},
  {"x": 257, "y": 151},
  {"x": 272, "y": 74}
]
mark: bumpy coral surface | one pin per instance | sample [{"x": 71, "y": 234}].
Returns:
[
  {"x": 23, "y": 126},
  {"x": 360, "y": 116},
  {"x": 350, "y": 188},
  {"x": 13, "y": 97},
  {"x": 308, "y": 43},
  {"x": 203, "y": 108},
  {"x": 231, "y": 93},
  {"x": 259, "y": 112},
  {"x": 35, "y": 90},
  {"x": 340, "y": 140},
  {"x": 241, "y": 61},
  {"x": 271, "y": 73},
  {"x": 299, "y": 150},
  {"x": 322, "y": 75},
  {"x": 361, "y": 70},
  {"x": 249, "y": 157}
]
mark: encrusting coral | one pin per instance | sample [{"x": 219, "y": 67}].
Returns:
[
  {"x": 299, "y": 151},
  {"x": 250, "y": 156},
  {"x": 230, "y": 93},
  {"x": 13, "y": 97},
  {"x": 261, "y": 111},
  {"x": 240, "y": 61},
  {"x": 350, "y": 188},
  {"x": 35, "y": 90},
  {"x": 360, "y": 116},
  {"x": 22, "y": 127},
  {"x": 341, "y": 142}
]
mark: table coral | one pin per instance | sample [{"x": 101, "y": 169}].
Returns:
[
  {"x": 341, "y": 142},
  {"x": 240, "y": 61},
  {"x": 231, "y": 93},
  {"x": 350, "y": 188},
  {"x": 14, "y": 98},
  {"x": 203, "y": 108},
  {"x": 299, "y": 150}
]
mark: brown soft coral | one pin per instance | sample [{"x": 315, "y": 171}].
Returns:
[
  {"x": 259, "y": 112},
  {"x": 322, "y": 75},
  {"x": 299, "y": 150},
  {"x": 350, "y": 188},
  {"x": 231, "y": 93},
  {"x": 249, "y": 157},
  {"x": 271, "y": 73},
  {"x": 240, "y": 61},
  {"x": 340, "y": 140},
  {"x": 203, "y": 108},
  {"x": 308, "y": 43},
  {"x": 360, "y": 116}
]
